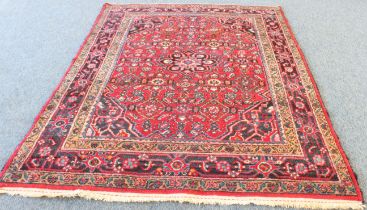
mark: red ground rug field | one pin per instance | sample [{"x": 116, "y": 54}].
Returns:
[{"x": 192, "y": 103}]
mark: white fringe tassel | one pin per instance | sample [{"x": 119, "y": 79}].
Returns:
[{"x": 196, "y": 199}]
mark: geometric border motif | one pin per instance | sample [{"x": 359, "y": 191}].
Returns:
[{"x": 343, "y": 191}]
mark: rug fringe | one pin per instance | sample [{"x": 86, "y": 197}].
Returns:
[{"x": 195, "y": 199}]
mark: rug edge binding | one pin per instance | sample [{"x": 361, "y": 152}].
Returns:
[
  {"x": 181, "y": 197},
  {"x": 185, "y": 198}
]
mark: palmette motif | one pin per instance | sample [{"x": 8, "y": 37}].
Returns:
[{"x": 189, "y": 98}]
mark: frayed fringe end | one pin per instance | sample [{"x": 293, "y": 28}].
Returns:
[{"x": 196, "y": 199}]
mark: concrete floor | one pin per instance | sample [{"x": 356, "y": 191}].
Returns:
[{"x": 39, "y": 39}]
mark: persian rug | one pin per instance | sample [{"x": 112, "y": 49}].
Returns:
[{"x": 191, "y": 103}]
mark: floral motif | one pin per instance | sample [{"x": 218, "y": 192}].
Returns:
[
  {"x": 301, "y": 168},
  {"x": 62, "y": 161},
  {"x": 209, "y": 85},
  {"x": 189, "y": 62},
  {"x": 176, "y": 166},
  {"x": 44, "y": 151}
]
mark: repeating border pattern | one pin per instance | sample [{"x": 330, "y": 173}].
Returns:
[{"x": 346, "y": 188}]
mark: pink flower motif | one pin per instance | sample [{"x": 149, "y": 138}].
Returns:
[
  {"x": 251, "y": 186},
  {"x": 212, "y": 184},
  {"x": 67, "y": 168},
  {"x": 33, "y": 177},
  {"x": 130, "y": 163},
  {"x": 143, "y": 157},
  {"x": 301, "y": 168},
  {"x": 62, "y": 161},
  {"x": 69, "y": 178},
  {"x": 323, "y": 150},
  {"x": 223, "y": 166},
  {"x": 50, "y": 158},
  {"x": 300, "y": 105},
  {"x": 100, "y": 179},
  {"x": 117, "y": 165},
  {"x": 211, "y": 158},
  {"x": 72, "y": 99},
  {"x": 140, "y": 182},
  {"x": 44, "y": 151},
  {"x": 233, "y": 173},
  {"x": 318, "y": 160},
  {"x": 40, "y": 142}
]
